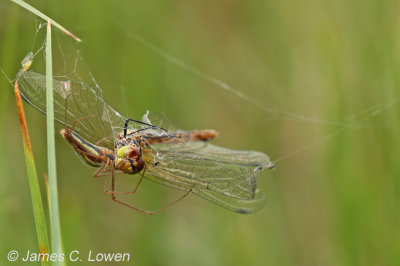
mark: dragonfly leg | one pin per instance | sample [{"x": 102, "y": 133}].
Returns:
[
  {"x": 114, "y": 198},
  {"x": 103, "y": 172},
  {"x": 107, "y": 181},
  {"x": 106, "y": 173},
  {"x": 102, "y": 169},
  {"x": 103, "y": 139},
  {"x": 150, "y": 212},
  {"x": 100, "y": 172},
  {"x": 128, "y": 192}
]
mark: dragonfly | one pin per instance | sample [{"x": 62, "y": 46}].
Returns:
[{"x": 151, "y": 147}]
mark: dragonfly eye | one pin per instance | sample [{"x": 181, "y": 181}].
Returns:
[
  {"x": 139, "y": 164},
  {"x": 128, "y": 152}
]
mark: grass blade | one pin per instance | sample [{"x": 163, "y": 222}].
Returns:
[
  {"x": 46, "y": 18},
  {"x": 32, "y": 177},
  {"x": 56, "y": 246}
]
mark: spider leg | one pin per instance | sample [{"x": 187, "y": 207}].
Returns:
[
  {"x": 80, "y": 119},
  {"x": 139, "y": 122}
]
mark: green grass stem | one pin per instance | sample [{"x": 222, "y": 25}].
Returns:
[
  {"x": 51, "y": 152},
  {"x": 56, "y": 243}
]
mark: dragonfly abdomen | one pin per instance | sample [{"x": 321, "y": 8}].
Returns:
[
  {"x": 179, "y": 136},
  {"x": 204, "y": 135},
  {"x": 92, "y": 155}
]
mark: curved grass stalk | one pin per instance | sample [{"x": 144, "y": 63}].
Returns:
[
  {"x": 32, "y": 177},
  {"x": 46, "y": 18},
  {"x": 56, "y": 246}
]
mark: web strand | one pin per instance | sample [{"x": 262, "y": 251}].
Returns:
[
  {"x": 356, "y": 120},
  {"x": 264, "y": 106}
]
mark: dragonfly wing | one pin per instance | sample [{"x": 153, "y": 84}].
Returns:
[
  {"x": 253, "y": 159},
  {"x": 228, "y": 180},
  {"x": 233, "y": 204},
  {"x": 82, "y": 102}
]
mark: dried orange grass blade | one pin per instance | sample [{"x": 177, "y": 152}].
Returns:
[
  {"x": 40, "y": 222},
  {"x": 22, "y": 120}
]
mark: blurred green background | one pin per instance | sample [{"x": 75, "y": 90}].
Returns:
[{"x": 325, "y": 78}]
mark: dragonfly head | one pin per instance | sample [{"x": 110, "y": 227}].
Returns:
[
  {"x": 66, "y": 134},
  {"x": 62, "y": 132},
  {"x": 129, "y": 160}
]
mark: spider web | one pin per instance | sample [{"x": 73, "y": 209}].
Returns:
[
  {"x": 358, "y": 120},
  {"x": 70, "y": 64}
]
